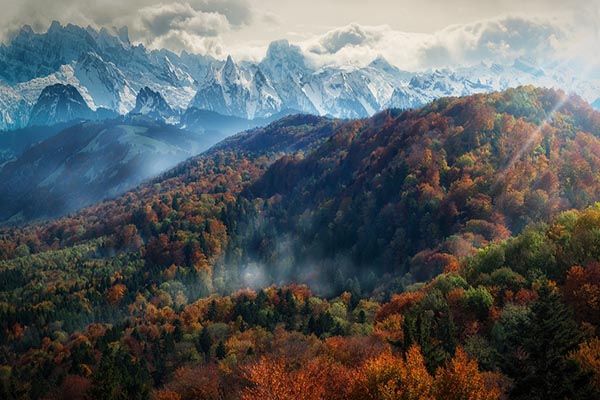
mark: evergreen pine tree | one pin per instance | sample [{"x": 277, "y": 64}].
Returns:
[
  {"x": 539, "y": 361},
  {"x": 221, "y": 350},
  {"x": 204, "y": 342}
]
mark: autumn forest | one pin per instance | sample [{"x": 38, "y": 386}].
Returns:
[{"x": 446, "y": 252}]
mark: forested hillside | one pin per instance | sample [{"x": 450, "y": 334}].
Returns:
[
  {"x": 452, "y": 176},
  {"x": 434, "y": 253}
]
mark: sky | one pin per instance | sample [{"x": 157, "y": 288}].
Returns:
[{"x": 414, "y": 35}]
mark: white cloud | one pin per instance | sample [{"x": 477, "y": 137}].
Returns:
[
  {"x": 177, "y": 40},
  {"x": 244, "y": 28},
  {"x": 179, "y": 26},
  {"x": 501, "y": 39},
  {"x": 160, "y": 19},
  {"x": 237, "y": 12},
  {"x": 351, "y": 35},
  {"x": 193, "y": 25}
]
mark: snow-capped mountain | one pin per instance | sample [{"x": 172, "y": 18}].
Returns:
[
  {"x": 423, "y": 88},
  {"x": 231, "y": 90},
  {"x": 103, "y": 82},
  {"x": 106, "y": 69},
  {"x": 59, "y": 103},
  {"x": 109, "y": 71},
  {"x": 14, "y": 110},
  {"x": 153, "y": 105},
  {"x": 351, "y": 92},
  {"x": 287, "y": 68}
]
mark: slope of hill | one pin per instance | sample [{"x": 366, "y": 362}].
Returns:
[
  {"x": 14, "y": 143},
  {"x": 454, "y": 175},
  {"x": 89, "y": 162}
]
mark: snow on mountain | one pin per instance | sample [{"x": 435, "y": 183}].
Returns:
[
  {"x": 596, "y": 104},
  {"x": 65, "y": 75},
  {"x": 425, "y": 87},
  {"x": 109, "y": 71},
  {"x": 103, "y": 82},
  {"x": 286, "y": 66},
  {"x": 353, "y": 92},
  {"x": 239, "y": 91},
  {"x": 405, "y": 98},
  {"x": 104, "y": 67},
  {"x": 14, "y": 109},
  {"x": 31, "y": 55},
  {"x": 153, "y": 105},
  {"x": 59, "y": 103},
  {"x": 340, "y": 93}
]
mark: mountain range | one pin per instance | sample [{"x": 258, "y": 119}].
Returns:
[{"x": 109, "y": 72}]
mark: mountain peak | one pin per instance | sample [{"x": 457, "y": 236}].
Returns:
[
  {"x": 59, "y": 103},
  {"x": 278, "y": 46},
  {"x": 383, "y": 64},
  {"x": 284, "y": 61},
  {"x": 60, "y": 89},
  {"x": 26, "y": 29},
  {"x": 283, "y": 51},
  {"x": 55, "y": 26},
  {"x": 123, "y": 34},
  {"x": 104, "y": 31},
  {"x": 230, "y": 70},
  {"x": 152, "y": 104}
]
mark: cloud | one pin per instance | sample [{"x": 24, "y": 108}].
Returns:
[
  {"x": 179, "y": 26},
  {"x": 182, "y": 40},
  {"x": 492, "y": 40},
  {"x": 351, "y": 35},
  {"x": 237, "y": 12},
  {"x": 193, "y": 25},
  {"x": 271, "y": 19},
  {"x": 161, "y": 19},
  {"x": 244, "y": 29},
  {"x": 501, "y": 40}
]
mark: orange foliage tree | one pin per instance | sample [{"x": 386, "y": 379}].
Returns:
[
  {"x": 460, "y": 379},
  {"x": 388, "y": 376}
]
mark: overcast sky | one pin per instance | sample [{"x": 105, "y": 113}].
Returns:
[{"x": 415, "y": 34}]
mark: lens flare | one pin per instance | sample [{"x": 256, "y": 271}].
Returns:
[{"x": 564, "y": 98}]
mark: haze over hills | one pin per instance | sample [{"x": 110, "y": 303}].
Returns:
[
  {"x": 53, "y": 170},
  {"x": 109, "y": 72},
  {"x": 61, "y": 163},
  {"x": 89, "y": 162}
]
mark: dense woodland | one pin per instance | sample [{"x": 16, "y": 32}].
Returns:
[{"x": 450, "y": 252}]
